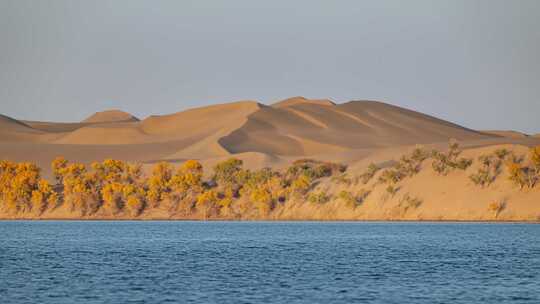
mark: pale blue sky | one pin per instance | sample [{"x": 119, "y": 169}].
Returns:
[{"x": 471, "y": 62}]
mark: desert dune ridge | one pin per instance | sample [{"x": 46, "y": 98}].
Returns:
[
  {"x": 354, "y": 133},
  {"x": 283, "y": 131}
]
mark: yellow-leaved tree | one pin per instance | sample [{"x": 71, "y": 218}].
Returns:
[
  {"x": 158, "y": 183},
  {"x": 185, "y": 185},
  {"x": 207, "y": 203},
  {"x": 43, "y": 197}
]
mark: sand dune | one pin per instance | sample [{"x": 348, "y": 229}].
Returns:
[
  {"x": 110, "y": 116},
  {"x": 9, "y": 124},
  {"x": 55, "y": 127},
  {"x": 506, "y": 133},
  {"x": 355, "y": 133},
  {"x": 301, "y": 100},
  {"x": 286, "y": 130},
  {"x": 113, "y": 134},
  {"x": 12, "y": 130}
]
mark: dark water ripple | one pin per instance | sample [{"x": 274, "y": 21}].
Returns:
[{"x": 231, "y": 262}]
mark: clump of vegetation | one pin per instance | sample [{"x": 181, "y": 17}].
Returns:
[
  {"x": 342, "y": 179},
  {"x": 408, "y": 202},
  {"x": 351, "y": 200},
  {"x": 392, "y": 190},
  {"x": 315, "y": 169},
  {"x": 407, "y": 166},
  {"x": 318, "y": 197},
  {"x": 410, "y": 165},
  {"x": 496, "y": 207},
  {"x": 21, "y": 187},
  {"x": 502, "y": 154},
  {"x": 443, "y": 163},
  {"x": 525, "y": 175},
  {"x": 391, "y": 176},
  {"x": 118, "y": 188},
  {"x": 490, "y": 168},
  {"x": 370, "y": 172}
]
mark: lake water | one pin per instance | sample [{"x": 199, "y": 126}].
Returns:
[{"x": 268, "y": 262}]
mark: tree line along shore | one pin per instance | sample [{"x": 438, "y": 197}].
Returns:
[{"x": 116, "y": 189}]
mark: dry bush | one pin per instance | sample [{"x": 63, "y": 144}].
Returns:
[
  {"x": 370, "y": 172},
  {"x": 348, "y": 198},
  {"x": 525, "y": 175},
  {"x": 496, "y": 207},
  {"x": 318, "y": 197},
  {"x": 490, "y": 168},
  {"x": 443, "y": 163},
  {"x": 392, "y": 190},
  {"x": 314, "y": 169},
  {"x": 342, "y": 179},
  {"x": 408, "y": 202}
]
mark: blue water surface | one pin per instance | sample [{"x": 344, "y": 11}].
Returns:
[{"x": 268, "y": 262}]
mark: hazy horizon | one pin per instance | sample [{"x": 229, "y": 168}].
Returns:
[{"x": 470, "y": 62}]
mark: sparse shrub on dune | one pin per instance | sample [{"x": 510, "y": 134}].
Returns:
[
  {"x": 342, "y": 179},
  {"x": 348, "y": 198},
  {"x": 410, "y": 165},
  {"x": 419, "y": 154},
  {"x": 318, "y": 197},
  {"x": 518, "y": 174},
  {"x": 369, "y": 173},
  {"x": 407, "y": 166},
  {"x": 301, "y": 185},
  {"x": 392, "y": 190},
  {"x": 314, "y": 169},
  {"x": 391, "y": 176},
  {"x": 351, "y": 200},
  {"x": 443, "y": 163},
  {"x": 525, "y": 175},
  {"x": 362, "y": 195},
  {"x": 490, "y": 168},
  {"x": 496, "y": 207},
  {"x": 408, "y": 202},
  {"x": 502, "y": 153},
  {"x": 535, "y": 156}
]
